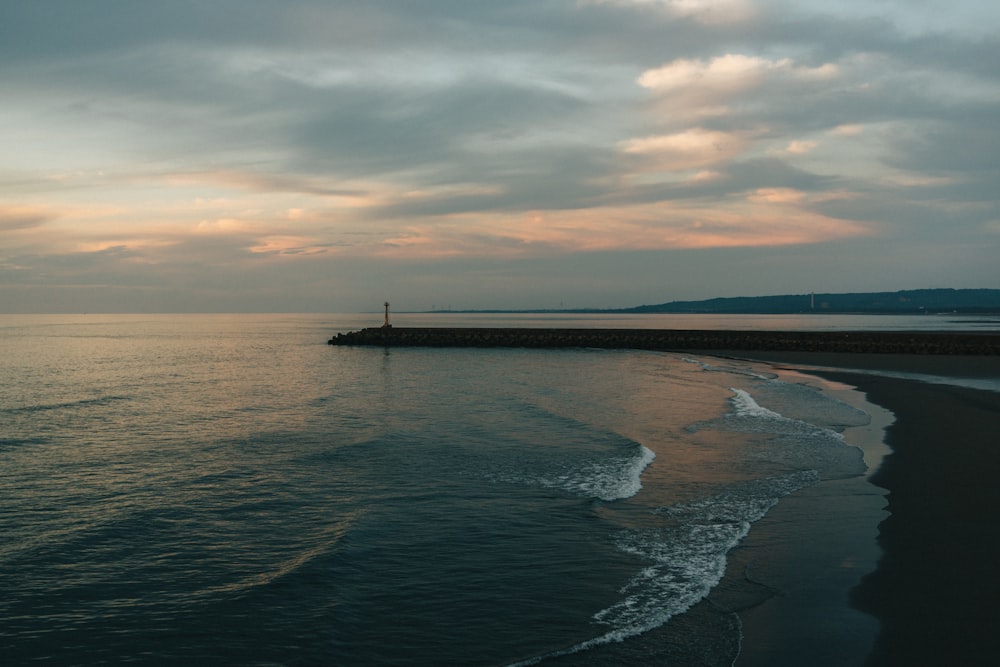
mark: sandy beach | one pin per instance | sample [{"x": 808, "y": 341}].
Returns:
[{"x": 931, "y": 598}]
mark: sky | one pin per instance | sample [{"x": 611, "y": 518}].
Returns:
[{"x": 326, "y": 156}]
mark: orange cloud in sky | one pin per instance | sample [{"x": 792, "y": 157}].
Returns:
[
  {"x": 766, "y": 217},
  {"x": 287, "y": 245},
  {"x": 223, "y": 226},
  {"x": 288, "y": 216},
  {"x": 850, "y": 130},
  {"x": 800, "y": 147},
  {"x": 59, "y": 227},
  {"x": 777, "y": 196},
  {"x": 124, "y": 243},
  {"x": 692, "y": 149},
  {"x": 23, "y": 218}
]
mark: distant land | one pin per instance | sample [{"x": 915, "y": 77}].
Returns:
[
  {"x": 902, "y": 302},
  {"x": 905, "y": 302}
]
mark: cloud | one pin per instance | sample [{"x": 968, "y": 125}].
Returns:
[
  {"x": 733, "y": 85},
  {"x": 757, "y": 217},
  {"x": 693, "y": 149},
  {"x": 847, "y": 130},
  {"x": 799, "y": 147},
  {"x": 266, "y": 142},
  {"x": 287, "y": 245},
  {"x": 729, "y": 74},
  {"x": 704, "y": 11},
  {"x": 23, "y": 218}
]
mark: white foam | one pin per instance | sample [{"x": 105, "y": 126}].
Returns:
[
  {"x": 609, "y": 479},
  {"x": 735, "y": 370},
  {"x": 757, "y": 418},
  {"x": 746, "y": 406},
  {"x": 685, "y": 560}
]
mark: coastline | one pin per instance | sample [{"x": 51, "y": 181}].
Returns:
[
  {"x": 894, "y": 567},
  {"x": 934, "y": 497}
]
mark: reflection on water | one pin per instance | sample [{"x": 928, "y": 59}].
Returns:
[{"x": 179, "y": 488}]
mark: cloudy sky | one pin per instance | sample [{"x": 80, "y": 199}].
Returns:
[{"x": 326, "y": 155}]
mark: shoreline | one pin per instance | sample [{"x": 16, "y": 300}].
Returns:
[
  {"x": 894, "y": 567},
  {"x": 934, "y": 497}
]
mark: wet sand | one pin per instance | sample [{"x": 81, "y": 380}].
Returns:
[{"x": 922, "y": 588}]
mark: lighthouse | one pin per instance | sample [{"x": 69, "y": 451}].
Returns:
[{"x": 386, "y": 325}]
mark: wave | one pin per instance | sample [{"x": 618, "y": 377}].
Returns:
[
  {"x": 608, "y": 479},
  {"x": 732, "y": 370},
  {"x": 745, "y": 406},
  {"x": 44, "y": 407},
  {"x": 272, "y": 570},
  {"x": 17, "y": 442},
  {"x": 749, "y": 416},
  {"x": 791, "y": 444},
  {"x": 686, "y": 558}
]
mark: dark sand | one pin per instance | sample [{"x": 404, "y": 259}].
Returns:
[{"x": 934, "y": 597}]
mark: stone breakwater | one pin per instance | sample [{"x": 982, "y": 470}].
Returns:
[{"x": 882, "y": 342}]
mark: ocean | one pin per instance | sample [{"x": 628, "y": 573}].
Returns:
[{"x": 229, "y": 490}]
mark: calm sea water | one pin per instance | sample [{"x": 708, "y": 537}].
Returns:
[{"x": 222, "y": 489}]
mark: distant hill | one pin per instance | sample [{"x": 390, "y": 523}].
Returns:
[{"x": 903, "y": 302}]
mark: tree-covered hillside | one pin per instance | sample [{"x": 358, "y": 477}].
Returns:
[{"x": 903, "y": 302}]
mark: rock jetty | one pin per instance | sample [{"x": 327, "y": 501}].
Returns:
[{"x": 882, "y": 342}]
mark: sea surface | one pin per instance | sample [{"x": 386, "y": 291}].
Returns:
[{"x": 229, "y": 490}]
